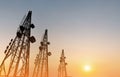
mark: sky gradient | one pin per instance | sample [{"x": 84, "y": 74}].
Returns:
[{"x": 88, "y": 31}]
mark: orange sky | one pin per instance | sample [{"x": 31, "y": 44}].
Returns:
[{"x": 88, "y": 31}]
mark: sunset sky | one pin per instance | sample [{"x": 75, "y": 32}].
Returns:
[{"x": 88, "y": 31}]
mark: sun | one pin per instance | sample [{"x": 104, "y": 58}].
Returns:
[{"x": 87, "y": 68}]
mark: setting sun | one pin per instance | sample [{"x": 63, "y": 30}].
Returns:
[{"x": 87, "y": 68}]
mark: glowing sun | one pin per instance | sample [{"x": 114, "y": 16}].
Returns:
[{"x": 87, "y": 68}]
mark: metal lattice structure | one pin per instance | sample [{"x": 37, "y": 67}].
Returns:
[
  {"x": 41, "y": 61},
  {"x": 62, "y": 72},
  {"x": 17, "y": 53}
]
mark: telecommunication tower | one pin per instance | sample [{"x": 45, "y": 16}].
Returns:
[
  {"x": 41, "y": 61},
  {"x": 62, "y": 72},
  {"x": 17, "y": 53}
]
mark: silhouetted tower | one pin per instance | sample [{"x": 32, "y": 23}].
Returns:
[
  {"x": 18, "y": 51},
  {"x": 62, "y": 72},
  {"x": 41, "y": 61}
]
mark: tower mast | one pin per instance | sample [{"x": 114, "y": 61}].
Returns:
[
  {"x": 18, "y": 51},
  {"x": 41, "y": 61},
  {"x": 62, "y": 72}
]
